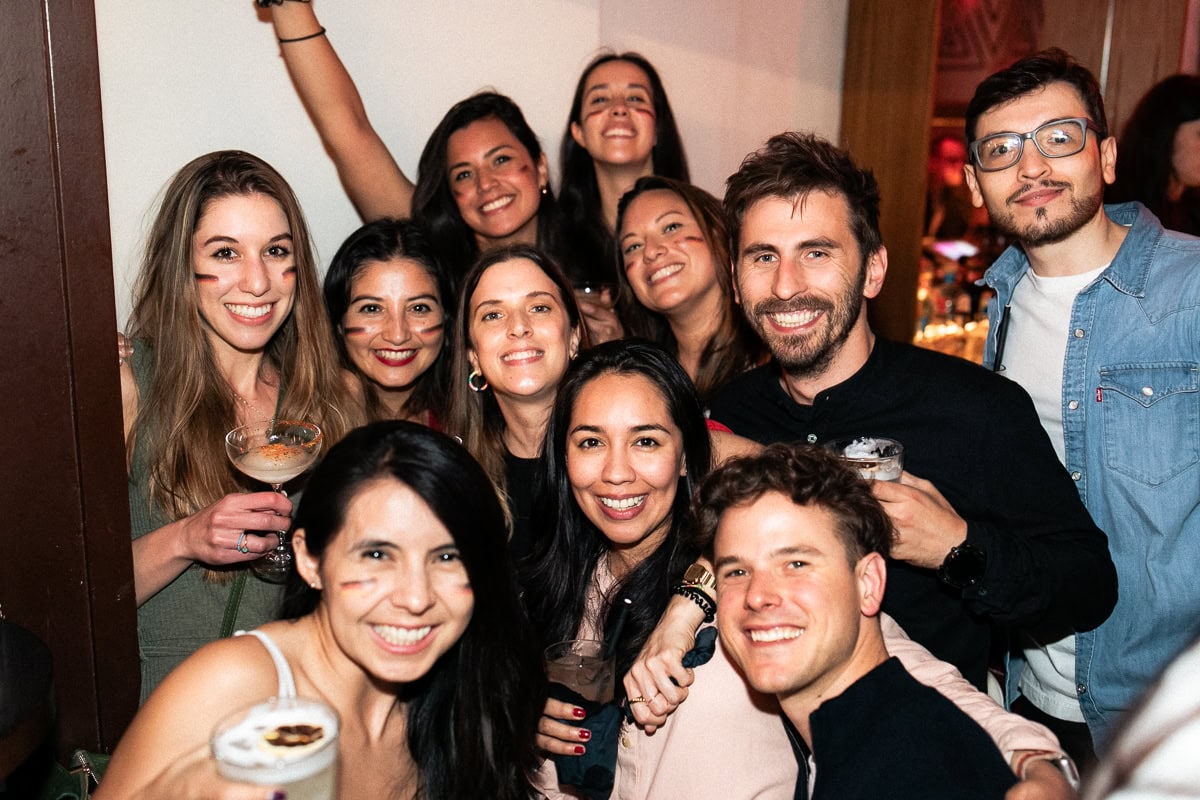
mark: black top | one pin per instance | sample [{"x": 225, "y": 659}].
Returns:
[
  {"x": 976, "y": 436},
  {"x": 518, "y": 478},
  {"x": 889, "y": 736}
]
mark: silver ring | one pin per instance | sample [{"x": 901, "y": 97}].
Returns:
[{"x": 241, "y": 546}]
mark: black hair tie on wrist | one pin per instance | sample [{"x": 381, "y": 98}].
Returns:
[
  {"x": 269, "y": 3},
  {"x": 304, "y": 38},
  {"x": 699, "y": 598}
]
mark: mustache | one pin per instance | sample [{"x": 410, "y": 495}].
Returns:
[
  {"x": 1031, "y": 187},
  {"x": 776, "y": 306}
]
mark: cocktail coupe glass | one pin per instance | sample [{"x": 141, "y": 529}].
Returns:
[{"x": 274, "y": 452}]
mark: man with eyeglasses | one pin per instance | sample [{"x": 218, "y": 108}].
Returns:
[{"x": 1097, "y": 316}]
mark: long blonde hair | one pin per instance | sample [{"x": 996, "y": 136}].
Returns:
[{"x": 188, "y": 406}]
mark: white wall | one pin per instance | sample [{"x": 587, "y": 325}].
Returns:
[{"x": 179, "y": 79}]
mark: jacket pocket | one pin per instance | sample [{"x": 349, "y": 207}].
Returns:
[{"x": 1151, "y": 416}]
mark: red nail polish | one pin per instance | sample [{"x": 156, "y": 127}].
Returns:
[
  {"x": 578, "y": 712},
  {"x": 580, "y": 749},
  {"x": 585, "y": 734}
]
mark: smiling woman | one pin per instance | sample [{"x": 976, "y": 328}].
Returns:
[
  {"x": 397, "y": 619},
  {"x": 229, "y": 330},
  {"x": 385, "y": 292}
]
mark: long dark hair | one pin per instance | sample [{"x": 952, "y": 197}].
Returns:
[
  {"x": 384, "y": 240},
  {"x": 1147, "y": 142},
  {"x": 584, "y": 232},
  {"x": 433, "y": 203},
  {"x": 734, "y": 347},
  {"x": 476, "y": 416},
  {"x": 472, "y": 718},
  {"x": 570, "y": 546}
]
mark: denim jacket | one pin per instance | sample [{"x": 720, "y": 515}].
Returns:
[{"x": 1131, "y": 424}]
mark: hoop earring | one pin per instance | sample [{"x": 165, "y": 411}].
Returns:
[{"x": 474, "y": 374}]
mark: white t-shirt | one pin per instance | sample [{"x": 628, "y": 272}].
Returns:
[{"x": 1039, "y": 326}]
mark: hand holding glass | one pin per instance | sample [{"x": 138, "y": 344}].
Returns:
[
  {"x": 580, "y": 665},
  {"x": 291, "y": 742},
  {"x": 274, "y": 452},
  {"x": 875, "y": 458}
]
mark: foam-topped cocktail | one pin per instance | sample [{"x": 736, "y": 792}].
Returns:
[
  {"x": 290, "y": 742},
  {"x": 274, "y": 452},
  {"x": 275, "y": 463},
  {"x": 875, "y": 458}
]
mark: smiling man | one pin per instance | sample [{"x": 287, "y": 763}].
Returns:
[
  {"x": 1097, "y": 315},
  {"x": 992, "y": 531},
  {"x": 798, "y": 545}
]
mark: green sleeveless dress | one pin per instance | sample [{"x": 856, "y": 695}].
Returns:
[{"x": 187, "y": 613}]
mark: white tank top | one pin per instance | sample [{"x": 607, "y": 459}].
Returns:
[{"x": 287, "y": 685}]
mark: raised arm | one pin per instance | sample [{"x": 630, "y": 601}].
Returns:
[{"x": 376, "y": 185}]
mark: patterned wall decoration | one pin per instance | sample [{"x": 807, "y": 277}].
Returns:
[{"x": 979, "y": 37}]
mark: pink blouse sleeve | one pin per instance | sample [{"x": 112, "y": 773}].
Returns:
[{"x": 1009, "y": 731}]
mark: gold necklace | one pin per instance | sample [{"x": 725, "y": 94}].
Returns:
[{"x": 253, "y": 409}]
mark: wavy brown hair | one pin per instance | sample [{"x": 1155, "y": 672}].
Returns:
[
  {"x": 188, "y": 406},
  {"x": 475, "y": 417},
  {"x": 734, "y": 347}
]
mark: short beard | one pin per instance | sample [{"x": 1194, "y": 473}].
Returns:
[
  {"x": 840, "y": 316},
  {"x": 1082, "y": 209}
]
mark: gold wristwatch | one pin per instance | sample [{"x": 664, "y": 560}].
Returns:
[{"x": 698, "y": 576}]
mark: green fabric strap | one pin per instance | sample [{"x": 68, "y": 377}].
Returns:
[{"x": 231, "y": 606}]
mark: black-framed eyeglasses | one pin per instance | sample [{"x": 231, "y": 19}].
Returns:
[{"x": 1057, "y": 139}]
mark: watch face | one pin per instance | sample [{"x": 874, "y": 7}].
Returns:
[
  {"x": 963, "y": 566},
  {"x": 698, "y": 574}
]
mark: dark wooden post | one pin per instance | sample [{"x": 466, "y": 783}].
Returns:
[{"x": 65, "y": 567}]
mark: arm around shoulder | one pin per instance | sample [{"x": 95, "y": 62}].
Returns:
[{"x": 1009, "y": 731}]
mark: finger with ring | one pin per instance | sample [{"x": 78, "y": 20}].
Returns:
[
  {"x": 638, "y": 699},
  {"x": 241, "y": 546}
]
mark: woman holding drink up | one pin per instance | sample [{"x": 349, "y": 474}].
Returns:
[
  {"x": 397, "y": 620},
  {"x": 229, "y": 329}
]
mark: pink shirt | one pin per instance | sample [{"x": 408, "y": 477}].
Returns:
[{"x": 727, "y": 741}]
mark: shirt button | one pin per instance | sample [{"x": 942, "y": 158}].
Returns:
[
  {"x": 812, "y": 438},
  {"x": 1074, "y": 404},
  {"x": 1076, "y": 475},
  {"x": 1148, "y": 391},
  {"x": 625, "y": 742},
  {"x": 1079, "y": 333}
]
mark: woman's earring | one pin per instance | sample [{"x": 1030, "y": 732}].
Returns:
[
  {"x": 545, "y": 190},
  {"x": 474, "y": 376}
]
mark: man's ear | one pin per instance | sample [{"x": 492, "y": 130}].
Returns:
[
  {"x": 973, "y": 184},
  {"x": 871, "y": 574},
  {"x": 307, "y": 565},
  {"x": 876, "y": 272},
  {"x": 1108, "y": 160}
]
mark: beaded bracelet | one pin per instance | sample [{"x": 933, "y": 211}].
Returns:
[
  {"x": 699, "y": 598},
  {"x": 269, "y": 3}
]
